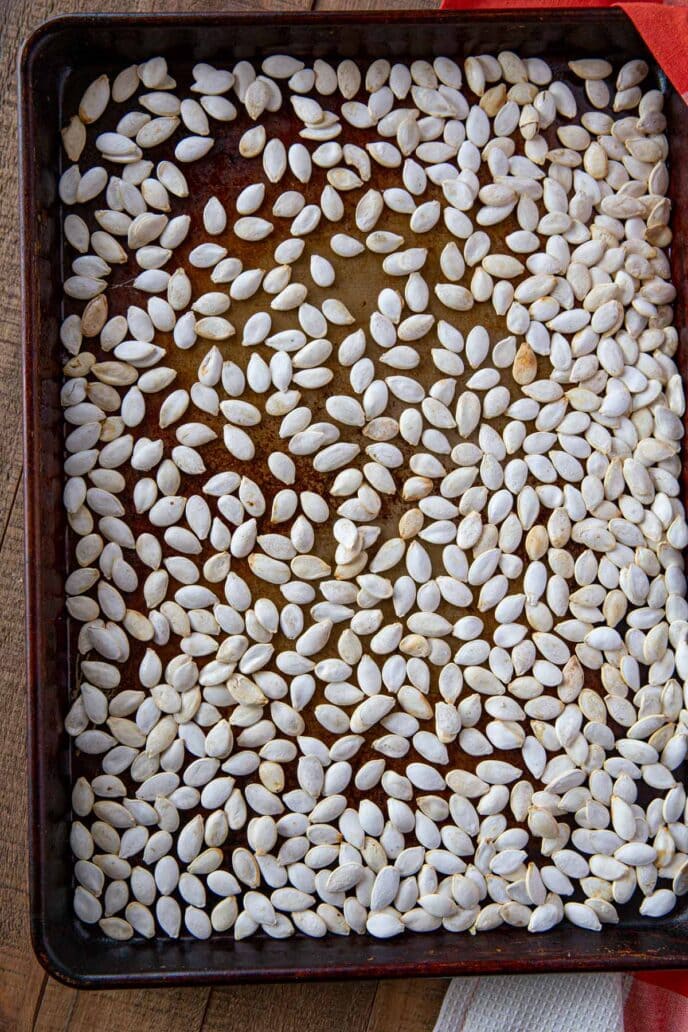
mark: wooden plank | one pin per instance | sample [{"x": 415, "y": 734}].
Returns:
[
  {"x": 374, "y": 5},
  {"x": 55, "y": 1008},
  {"x": 232, "y": 5},
  {"x": 325, "y": 1007},
  {"x": 18, "y": 20},
  {"x": 408, "y": 1006},
  {"x": 147, "y": 1010},
  {"x": 21, "y": 977}
]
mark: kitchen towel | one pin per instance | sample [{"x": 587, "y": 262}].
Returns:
[
  {"x": 534, "y": 1003},
  {"x": 563, "y": 1003}
]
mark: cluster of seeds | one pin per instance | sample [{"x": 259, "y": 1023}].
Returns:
[{"x": 381, "y": 609}]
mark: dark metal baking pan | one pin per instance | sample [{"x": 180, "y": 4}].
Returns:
[{"x": 59, "y": 59}]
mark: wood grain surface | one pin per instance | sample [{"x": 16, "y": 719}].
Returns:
[{"x": 29, "y": 999}]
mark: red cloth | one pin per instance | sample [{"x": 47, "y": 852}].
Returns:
[
  {"x": 660, "y": 1007},
  {"x": 663, "y": 26},
  {"x": 657, "y": 1001}
]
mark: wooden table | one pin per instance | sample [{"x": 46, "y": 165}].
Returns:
[{"x": 29, "y": 999}]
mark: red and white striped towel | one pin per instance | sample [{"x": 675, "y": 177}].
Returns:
[{"x": 566, "y": 1003}]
